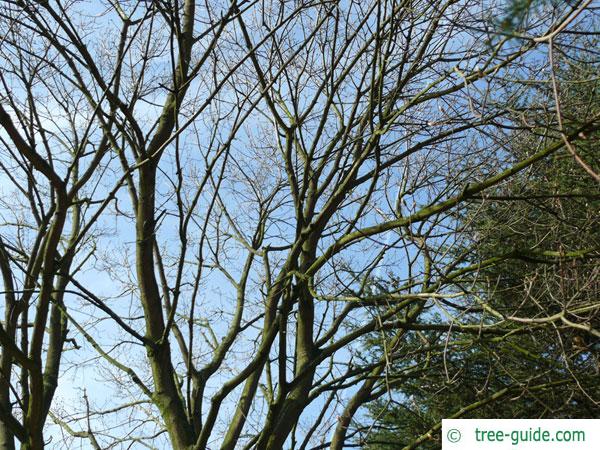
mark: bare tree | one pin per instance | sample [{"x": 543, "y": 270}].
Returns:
[{"x": 198, "y": 200}]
